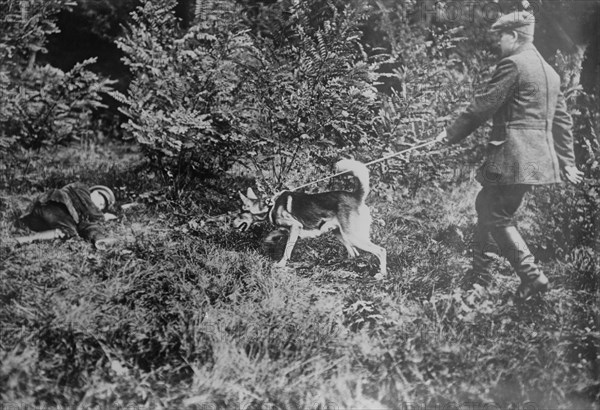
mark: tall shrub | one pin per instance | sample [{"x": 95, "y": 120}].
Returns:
[
  {"x": 287, "y": 87},
  {"x": 41, "y": 105},
  {"x": 201, "y": 99},
  {"x": 183, "y": 101},
  {"x": 310, "y": 91}
]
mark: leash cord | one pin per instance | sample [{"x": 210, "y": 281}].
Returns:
[{"x": 385, "y": 158}]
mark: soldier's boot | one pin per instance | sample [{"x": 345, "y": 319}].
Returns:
[
  {"x": 483, "y": 247},
  {"x": 514, "y": 248}
]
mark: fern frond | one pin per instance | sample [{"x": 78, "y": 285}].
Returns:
[{"x": 321, "y": 46}]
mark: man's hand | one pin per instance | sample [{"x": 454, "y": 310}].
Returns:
[
  {"x": 442, "y": 137},
  {"x": 109, "y": 217},
  {"x": 572, "y": 174}
]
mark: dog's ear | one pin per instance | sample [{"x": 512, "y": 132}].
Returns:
[
  {"x": 247, "y": 202},
  {"x": 250, "y": 194}
]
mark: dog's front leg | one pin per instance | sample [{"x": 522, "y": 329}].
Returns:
[
  {"x": 289, "y": 246},
  {"x": 352, "y": 252}
]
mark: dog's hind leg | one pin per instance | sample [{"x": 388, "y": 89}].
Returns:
[
  {"x": 289, "y": 246},
  {"x": 356, "y": 232},
  {"x": 366, "y": 245}
]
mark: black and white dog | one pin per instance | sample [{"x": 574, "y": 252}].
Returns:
[{"x": 310, "y": 215}]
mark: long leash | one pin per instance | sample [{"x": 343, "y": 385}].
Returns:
[{"x": 395, "y": 154}]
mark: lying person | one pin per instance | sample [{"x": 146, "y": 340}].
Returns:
[{"x": 73, "y": 210}]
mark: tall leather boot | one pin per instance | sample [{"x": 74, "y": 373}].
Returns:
[
  {"x": 514, "y": 248},
  {"x": 483, "y": 247}
]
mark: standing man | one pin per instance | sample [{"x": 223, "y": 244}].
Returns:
[{"x": 530, "y": 144}]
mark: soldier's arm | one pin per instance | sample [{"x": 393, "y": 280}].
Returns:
[
  {"x": 561, "y": 131},
  {"x": 499, "y": 89}
]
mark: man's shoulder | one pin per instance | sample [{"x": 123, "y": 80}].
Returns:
[
  {"x": 531, "y": 61},
  {"x": 527, "y": 57}
]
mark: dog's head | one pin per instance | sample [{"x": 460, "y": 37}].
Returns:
[{"x": 253, "y": 210}]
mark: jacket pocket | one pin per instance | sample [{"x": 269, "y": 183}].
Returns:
[{"x": 491, "y": 172}]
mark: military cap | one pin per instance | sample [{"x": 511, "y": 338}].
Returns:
[
  {"x": 521, "y": 21},
  {"x": 102, "y": 196}
]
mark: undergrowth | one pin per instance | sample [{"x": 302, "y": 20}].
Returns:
[{"x": 191, "y": 314}]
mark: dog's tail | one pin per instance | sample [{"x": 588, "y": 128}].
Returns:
[{"x": 360, "y": 171}]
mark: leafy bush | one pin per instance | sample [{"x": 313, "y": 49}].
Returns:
[
  {"x": 41, "y": 105},
  {"x": 330, "y": 48},
  {"x": 220, "y": 94},
  {"x": 182, "y": 100},
  {"x": 288, "y": 88},
  {"x": 311, "y": 94}
]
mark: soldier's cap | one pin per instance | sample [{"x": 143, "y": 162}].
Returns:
[
  {"x": 520, "y": 21},
  {"x": 102, "y": 196}
]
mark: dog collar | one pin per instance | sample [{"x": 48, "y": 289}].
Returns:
[{"x": 262, "y": 216}]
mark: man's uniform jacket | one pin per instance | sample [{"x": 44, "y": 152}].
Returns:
[{"x": 531, "y": 129}]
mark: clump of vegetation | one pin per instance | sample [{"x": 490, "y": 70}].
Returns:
[
  {"x": 289, "y": 84},
  {"x": 41, "y": 105},
  {"x": 183, "y": 100},
  {"x": 219, "y": 98}
]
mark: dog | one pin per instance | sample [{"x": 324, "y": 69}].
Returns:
[{"x": 310, "y": 215}]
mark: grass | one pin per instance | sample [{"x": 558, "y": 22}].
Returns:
[{"x": 191, "y": 314}]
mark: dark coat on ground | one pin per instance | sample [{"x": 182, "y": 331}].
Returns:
[
  {"x": 531, "y": 131},
  {"x": 69, "y": 209}
]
